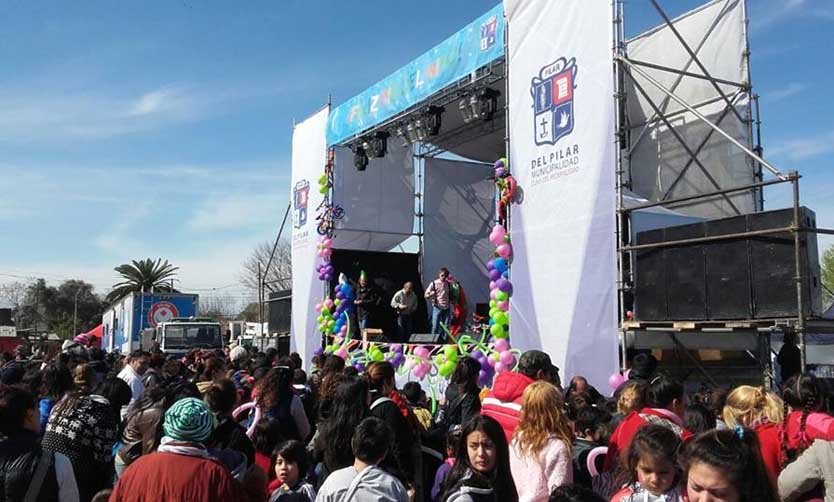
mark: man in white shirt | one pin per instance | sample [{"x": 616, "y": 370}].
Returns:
[
  {"x": 136, "y": 365},
  {"x": 404, "y": 303}
]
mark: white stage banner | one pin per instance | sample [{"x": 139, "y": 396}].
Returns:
[
  {"x": 562, "y": 154},
  {"x": 309, "y": 155}
]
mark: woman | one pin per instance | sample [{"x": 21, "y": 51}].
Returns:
[
  {"x": 332, "y": 444},
  {"x": 84, "y": 427},
  {"x": 540, "y": 453},
  {"x": 22, "y": 460},
  {"x": 462, "y": 395},
  {"x": 757, "y": 409},
  {"x": 805, "y": 420},
  {"x": 56, "y": 381},
  {"x": 726, "y": 466},
  {"x": 275, "y": 395},
  {"x": 221, "y": 398},
  {"x": 389, "y": 406},
  {"x": 214, "y": 369},
  {"x": 482, "y": 467}
]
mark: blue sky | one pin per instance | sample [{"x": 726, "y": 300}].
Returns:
[{"x": 162, "y": 128}]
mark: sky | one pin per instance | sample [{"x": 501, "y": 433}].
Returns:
[{"x": 162, "y": 128}]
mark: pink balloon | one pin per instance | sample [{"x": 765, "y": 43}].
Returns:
[
  {"x": 504, "y": 251},
  {"x": 507, "y": 359},
  {"x": 505, "y": 306},
  {"x": 499, "y": 367},
  {"x": 615, "y": 380},
  {"x": 318, "y": 307},
  {"x": 496, "y": 236},
  {"x": 328, "y": 303},
  {"x": 342, "y": 353},
  {"x": 491, "y": 285},
  {"x": 502, "y": 344},
  {"x": 492, "y": 294}
]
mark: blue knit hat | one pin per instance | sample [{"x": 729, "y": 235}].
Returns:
[{"x": 188, "y": 420}]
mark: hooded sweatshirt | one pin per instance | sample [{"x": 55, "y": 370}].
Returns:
[
  {"x": 503, "y": 403},
  {"x": 372, "y": 484}
]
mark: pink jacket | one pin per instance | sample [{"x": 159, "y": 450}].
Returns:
[{"x": 536, "y": 477}]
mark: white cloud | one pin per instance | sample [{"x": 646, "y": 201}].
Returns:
[
  {"x": 159, "y": 101},
  {"x": 236, "y": 211},
  {"x": 799, "y": 149},
  {"x": 792, "y": 89},
  {"x": 767, "y": 14}
]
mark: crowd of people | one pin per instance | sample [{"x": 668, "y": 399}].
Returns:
[{"x": 244, "y": 425}]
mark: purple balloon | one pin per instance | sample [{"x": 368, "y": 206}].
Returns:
[
  {"x": 337, "y": 288},
  {"x": 491, "y": 264},
  {"x": 504, "y": 285},
  {"x": 330, "y": 269},
  {"x": 321, "y": 277},
  {"x": 319, "y": 351},
  {"x": 482, "y": 377},
  {"x": 476, "y": 354},
  {"x": 494, "y": 275},
  {"x": 328, "y": 277},
  {"x": 397, "y": 347},
  {"x": 483, "y": 362},
  {"x": 339, "y": 295}
]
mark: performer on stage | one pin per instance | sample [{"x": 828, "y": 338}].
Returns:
[
  {"x": 366, "y": 302},
  {"x": 404, "y": 303},
  {"x": 438, "y": 296}
]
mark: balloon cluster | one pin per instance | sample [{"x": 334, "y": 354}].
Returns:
[
  {"x": 324, "y": 184},
  {"x": 500, "y": 287},
  {"x": 420, "y": 363},
  {"x": 447, "y": 360},
  {"x": 506, "y": 185},
  {"x": 325, "y": 247},
  {"x": 335, "y": 313}
]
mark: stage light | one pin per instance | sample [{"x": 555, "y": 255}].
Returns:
[
  {"x": 402, "y": 132},
  {"x": 432, "y": 118},
  {"x": 377, "y": 145},
  {"x": 420, "y": 129},
  {"x": 360, "y": 159},
  {"x": 411, "y": 132},
  {"x": 487, "y": 103},
  {"x": 465, "y": 110}
]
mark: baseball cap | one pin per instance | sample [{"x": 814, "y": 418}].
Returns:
[{"x": 534, "y": 360}]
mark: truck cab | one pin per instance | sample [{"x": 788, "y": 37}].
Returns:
[{"x": 182, "y": 334}]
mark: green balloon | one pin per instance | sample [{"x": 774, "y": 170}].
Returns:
[
  {"x": 323, "y": 179},
  {"x": 496, "y": 330},
  {"x": 493, "y": 304},
  {"x": 451, "y": 353},
  {"x": 494, "y": 311},
  {"x": 501, "y": 296},
  {"x": 325, "y": 311},
  {"x": 376, "y": 355},
  {"x": 500, "y": 318},
  {"x": 503, "y": 331},
  {"x": 323, "y": 189},
  {"x": 446, "y": 368}
]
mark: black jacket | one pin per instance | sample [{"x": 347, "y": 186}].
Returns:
[
  {"x": 230, "y": 435},
  {"x": 460, "y": 407},
  {"x": 400, "y": 459},
  {"x": 19, "y": 456}
]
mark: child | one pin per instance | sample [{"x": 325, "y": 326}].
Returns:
[
  {"x": 588, "y": 430},
  {"x": 482, "y": 466},
  {"x": 726, "y": 463},
  {"x": 452, "y": 438},
  {"x": 416, "y": 399},
  {"x": 364, "y": 480},
  {"x": 540, "y": 453},
  {"x": 291, "y": 464},
  {"x": 652, "y": 465}
]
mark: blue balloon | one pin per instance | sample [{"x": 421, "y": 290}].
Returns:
[
  {"x": 491, "y": 321},
  {"x": 501, "y": 264},
  {"x": 505, "y": 274},
  {"x": 345, "y": 289}
]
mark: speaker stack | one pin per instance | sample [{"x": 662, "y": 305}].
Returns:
[{"x": 750, "y": 277}]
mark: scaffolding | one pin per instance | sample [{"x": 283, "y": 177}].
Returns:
[{"x": 752, "y": 336}]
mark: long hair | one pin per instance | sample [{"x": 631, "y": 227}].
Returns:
[
  {"x": 654, "y": 441},
  {"x": 500, "y": 478},
  {"x": 750, "y": 406},
  {"x": 632, "y": 397},
  {"x": 348, "y": 408},
  {"x": 542, "y": 416},
  {"x": 465, "y": 375},
  {"x": 735, "y": 453},
  {"x": 801, "y": 393},
  {"x": 380, "y": 375},
  {"x": 275, "y": 387}
]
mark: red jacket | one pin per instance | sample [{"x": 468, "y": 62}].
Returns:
[
  {"x": 503, "y": 403},
  {"x": 620, "y": 441},
  {"x": 771, "y": 450},
  {"x": 174, "y": 477},
  {"x": 818, "y": 425}
]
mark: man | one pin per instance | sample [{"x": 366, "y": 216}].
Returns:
[
  {"x": 181, "y": 468},
  {"x": 404, "y": 303},
  {"x": 438, "y": 296},
  {"x": 137, "y": 363},
  {"x": 364, "y": 480},
  {"x": 503, "y": 403},
  {"x": 789, "y": 358},
  {"x": 366, "y": 301}
]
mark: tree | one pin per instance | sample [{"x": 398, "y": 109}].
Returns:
[
  {"x": 828, "y": 274},
  {"x": 218, "y": 307},
  {"x": 69, "y": 309},
  {"x": 13, "y": 293},
  {"x": 143, "y": 276},
  {"x": 279, "y": 276}
]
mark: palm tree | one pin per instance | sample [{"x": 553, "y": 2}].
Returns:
[{"x": 143, "y": 276}]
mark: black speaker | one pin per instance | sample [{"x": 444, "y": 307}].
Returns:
[
  {"x": 650, "y": 278},
  {"x": 686, "y": 278},
  {"x": 773, "y": 265},
  {"x": 280, "y": 311},
  {"x": 728, "y": 271}
]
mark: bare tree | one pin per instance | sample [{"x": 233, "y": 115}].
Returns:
[
  {"x": 223, "y": 306},
  {"x": 13, "y": 293},
  {"x": 279, "y": 276}
]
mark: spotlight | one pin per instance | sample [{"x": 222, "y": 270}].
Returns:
[
  {"x": 487, "y": 103},
  {"x": 420, "y": 129},
  {"x": 402, "y": 132},
  {"x": 465, "y": 110},
  {"x": 432, "y": 118},
  {"x": 360, "y": 159},
  {"x": 411, "y": 132},
  {"x": 377, "y": 145}
]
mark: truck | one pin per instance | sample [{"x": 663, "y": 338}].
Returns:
[{"x": 126, "y": 320}]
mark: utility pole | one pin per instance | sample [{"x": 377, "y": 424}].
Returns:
[
  {"x": 260, "y": 298},
  {"x": 75, "y": 313}
]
